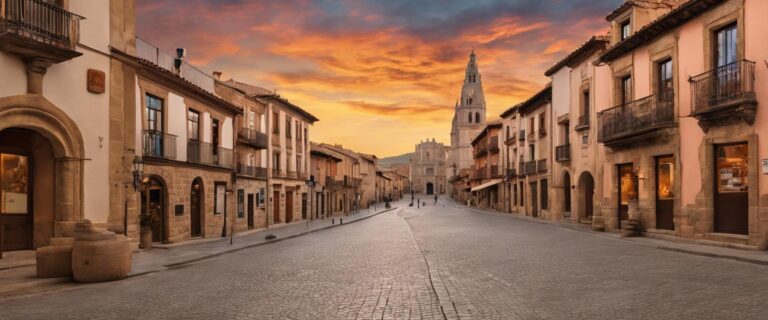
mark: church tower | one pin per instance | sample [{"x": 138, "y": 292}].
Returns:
[{"x": 468, "y": 118}]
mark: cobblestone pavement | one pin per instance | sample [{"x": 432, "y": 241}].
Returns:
[{"x": 429, "y": 263}]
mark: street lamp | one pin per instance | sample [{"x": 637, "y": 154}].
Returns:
[
  {"x": 138, "y": 172},
  {"x": 310, "y": 185}
]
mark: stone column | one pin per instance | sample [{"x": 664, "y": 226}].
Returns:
[{"x": 67, "y": 173}]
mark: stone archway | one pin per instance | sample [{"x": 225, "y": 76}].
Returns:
[
  {"x": 586, "y": 194},
  {"x": 35, "y": 113}
]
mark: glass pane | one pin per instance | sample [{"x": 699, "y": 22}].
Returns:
[
  {"x": 627, "y": 184},
  {"x": 732, "y": 168},
  {"x": 14, "y": 184},
  {"x": 665, "y": 178}
]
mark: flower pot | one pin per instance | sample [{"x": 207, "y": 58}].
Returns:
[{"x": 145, "y": 237}]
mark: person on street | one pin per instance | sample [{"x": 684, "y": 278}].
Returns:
[{"x": 435, "y": 199}]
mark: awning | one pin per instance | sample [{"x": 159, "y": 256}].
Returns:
[{"x": 487, "y": 184}]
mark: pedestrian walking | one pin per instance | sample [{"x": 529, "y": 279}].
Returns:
[
  {"x": 435, "y": 199},
  {"x": 418, "y": 203}
]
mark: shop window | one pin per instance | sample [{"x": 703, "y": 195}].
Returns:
[
  {"x": 14, "y": 184},
  {"x": 732, "y": 168},
  {"x": 665, "y": 183}
]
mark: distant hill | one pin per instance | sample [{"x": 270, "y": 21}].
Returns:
[{"x": 401, "y": 159}]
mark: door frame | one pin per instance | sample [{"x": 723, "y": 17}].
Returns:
[
  {"x": 29, "y": 222},
  {"x": 619, "y": 166},
  {"x": 656, "y": 190},
  {"x": 200, "y": 196}
]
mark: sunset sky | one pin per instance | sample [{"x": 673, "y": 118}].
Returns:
[{"x": 380, "y": 75}]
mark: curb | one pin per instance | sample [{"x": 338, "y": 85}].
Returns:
[{"x": 217, "y": 254}]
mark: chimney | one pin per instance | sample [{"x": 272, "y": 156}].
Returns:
[{"x": 217, "y": 75}]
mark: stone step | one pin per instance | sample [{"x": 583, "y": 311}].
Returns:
[
  {"x": 585, "y": 220},
  {"x": 739, "y": 239}
]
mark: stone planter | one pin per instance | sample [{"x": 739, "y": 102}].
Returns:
[
  {"x": 99, "y": 255},
  {"x": 145, "y": 237}
]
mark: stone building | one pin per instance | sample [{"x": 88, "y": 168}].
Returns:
[
  {"x": 323, "y": 166},
  {"x": 486, "y": 171},
  {"x": 368, "y": 164},
  {"x": 575, "y": 92},
  {"x": 428, "y": 167},
  {"x": 287, "y": 154},
  {"x": 468, "y": 119},
  {"x": 56, "y": 111},
  {"x": 536, "y": 157},
  {"x": 690, "y": 78},
  {"x": 250, "y": 156},
  {"x": 346, "y": 184},
  {"x": 512, "y": 145}
]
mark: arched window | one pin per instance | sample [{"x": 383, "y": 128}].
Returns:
[{"x": 469, "y": 101}]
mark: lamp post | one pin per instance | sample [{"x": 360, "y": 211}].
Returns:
[
  {"x": 138, "y": 173},
  {"x": 310, "y": 185}
]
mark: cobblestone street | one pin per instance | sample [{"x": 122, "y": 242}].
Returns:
[{"x": 430, "y": 263}]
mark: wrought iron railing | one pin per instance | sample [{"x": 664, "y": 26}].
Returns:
[
  {"x": 40, "y": 21},
  {"x": 563, "y": 153},
  {"x": 159, "y": 144},
  {"x": 522, "y": 168},
  {"x": 253, "y": 137},
  {"x": 637, "y": 116},
  {"x": 583, "y": 121},
  {"x": 153, "y": 54},
  {"x": 530, "y": 167},
  {"x": 223, "y": 157},
  {"x": 723, "y": 86},
  {"x": 251, "y": 171},
  {"x": 511, "y": 173},
  {"x": 541, "y": 165},
  {"x": 199, "y": 152},
  {"x": 495, "y": 171}
]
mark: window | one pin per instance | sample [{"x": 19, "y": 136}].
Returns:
[
  {"x": 531, "y": 125},
  {"x": 287, "y": 127},
  {"x": 298, "y": 164},
  {"x": 154, "y": 113},
  {"x": 626, "y": 30},
  {"x": 252, "y": 120},
  {"x": 276, "y": 161},
  {"x": 532, "y": 151},
  {"x": 544, "y": 194},
  {"x": 469, "y": 101},
  {"x": 477, "y": 117},
  {"x": 626, "y": 89},
  {"x": 470, "y": 117},
  {"x": 240, "y": 203},
  {"x": 193, "y": 125},
  {"x": 507, "y": 133},
  {"x": 665, "y": 80},
  {"x": 514, "y": 194},
  {"x": 542, "y": 123},
  {"x": 298, "y": 131},
  {"x": 220, "y": 197},
  {"x": 261, "y": 199},
  {"x": 275, "y": 122},
  {"x": 727, "y": 42},
  {"x": 14, "y": 184},
  {"x": 306, "y": 134},
  {"x": 585, "y": 108}
]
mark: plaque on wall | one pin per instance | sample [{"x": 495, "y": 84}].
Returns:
[{"x": 96, "y": 81}]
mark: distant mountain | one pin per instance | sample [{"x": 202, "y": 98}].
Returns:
[{"x": 401, "y": 159}]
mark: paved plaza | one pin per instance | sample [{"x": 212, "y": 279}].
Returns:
[{"x": 435, "y": 262}]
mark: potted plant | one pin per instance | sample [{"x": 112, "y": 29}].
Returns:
[{"x": 147, "y": 220}]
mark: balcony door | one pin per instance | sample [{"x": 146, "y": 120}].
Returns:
[
  {"x": 215, "y": 140},
  {"x": 731, "y": 189},
  {"x": 665, "y": 192},
  {"x": 627, "y": 190},
  {"x": 728, "y": 77},
  {"x": 154, "y": 136}
]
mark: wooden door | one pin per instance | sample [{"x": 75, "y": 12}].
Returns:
[
  {"x": 288, "y": 206},
  {"x": 731, "y": 189},
  {"x": 304, "y": 206},
  {"x": 589, "y": 194},
  {"x": 250, "y": 211},
  {"x": 195, "y": 208},
  {"x": 626, "y": 190},
  {"x": 276, "y": 207},
  {"x": 567, "y": 194},
  {"x": 156, "y": 207},
  {"x": 16, "y": 216},
  {"x": 665, "y": 192}
]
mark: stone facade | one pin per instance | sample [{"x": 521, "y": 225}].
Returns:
[
  {"x": 428, "y": 167},
  {"x": 486, "y": 171}
]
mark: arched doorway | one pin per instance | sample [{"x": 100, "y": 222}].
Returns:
[
  {"x": 566, "y": 194},
  {"x": 586, "y": 195},
  {"x": 41, "y": 178},
  {"x": 196, "y": 207},
  {"x": 26, "y": 189},
  {"x": 430, "y": 188},
  {"x": 153, "y": 202}
]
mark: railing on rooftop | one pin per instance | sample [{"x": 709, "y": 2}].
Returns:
[{"x": 188, "y": 72}]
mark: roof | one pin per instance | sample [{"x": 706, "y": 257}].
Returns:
[
  {"x": 596, "y": 43},
  {"x": 644, "y": 3},
  {"x": 664, "y": 24},
  {"x": 317, "y": 149},
  {"x": 509, "y": 111},
  {"x": 493, "y": 124},
  {"x": 368, "y": 157},
  {"x": 339, "y": 149},
  {"x": 541, "y": 97},
  {"x": 264, "y": 95}
]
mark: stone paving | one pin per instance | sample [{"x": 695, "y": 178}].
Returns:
[{"x": 428, "y": 263}]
